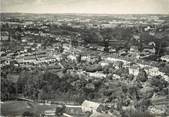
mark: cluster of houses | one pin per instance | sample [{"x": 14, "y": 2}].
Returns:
[
  {"x": 51, "y": 56},
  {"x": 35, "y": 58},
  {"x": 165, "y": 58},
  {"x": 134, "y": 68}
]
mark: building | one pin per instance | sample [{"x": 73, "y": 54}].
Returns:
[
  {"x": 136, "y": 37},
  {"x": 51, "y": 112},
  {"x": 149, "y": 50},
  {"x": 133, "y": 49},
  {"x": 134, "y": 70},
  {"x": 165, "y": 58},
  {"x": 97, "y": 75},
  {"x": 118, "y": 64},
  {"x": 112, "y": 50},
  {"x": 13, "y": 77},
  {"x": 4, "y": 38},
  {"x": 89, "y": 106},
  {"x": 74, "y": 110},
  {"x": 152, "y": 71},
  {"x": 122, "y": 52},
  {"x": 100, "y": 49}
]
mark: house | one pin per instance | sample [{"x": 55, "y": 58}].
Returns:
[
  {"x": 115, "y": 76},
  {"x": 97, "y": 75},
  {"x": 122, "y": 52},
  {"x": 152, "y": 44},
  {"x": 4, "y": 38},
  {"x": 149, "y": 50},
  {"x": 108, "y": 25},
  {"x": 136, "y": 37},
  {"x": 71, "y": 57},
  {"x": 104, "y": 64},
  {"x": 74, "y": 110},
  {"x": 50, "y": 112},
  {"x": 100, "y": 49},
  {"x": 89, "y": 106},
  {"x": 134, "y": 70},
  {"x": 165, "y": 58},
  {"x": 13, "y": 77},
  {"x": 112, "y": 50},
  {"x": 133, "y": 49},
  {"x": 118, "y": 64},
  {"x": 153, "y": 71}
]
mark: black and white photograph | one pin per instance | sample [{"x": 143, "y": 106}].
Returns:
[{"x": 84, "y": 58}]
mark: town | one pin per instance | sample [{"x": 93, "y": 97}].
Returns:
[{"x": 85, "y": 64}]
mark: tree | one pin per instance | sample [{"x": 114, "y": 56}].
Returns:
[
  {"x": 91, "y": 36},
  {"x": 157, "y": 81},
  {"x": 164, "y": 68},
  {"x": 142, "y": 75},
  {"x": 107, "y": 36},
  {"x": 90, "y": 87}
]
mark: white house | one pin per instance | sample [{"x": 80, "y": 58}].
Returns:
[
  {"x": 89, "y": 106},
  {"x": 103, "y": 64},
  {"x": 97, "y": 75},
  {"x": 133, "y": 49},
  {"x": 153, "y": 71},
  {"x": 165, "y": 58},
  {"x": 134, "y": 70}
]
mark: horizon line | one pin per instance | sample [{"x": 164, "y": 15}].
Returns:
[{"x": 86, "y": 13}]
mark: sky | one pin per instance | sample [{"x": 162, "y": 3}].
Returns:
[{"x": 87, "y": 6}]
